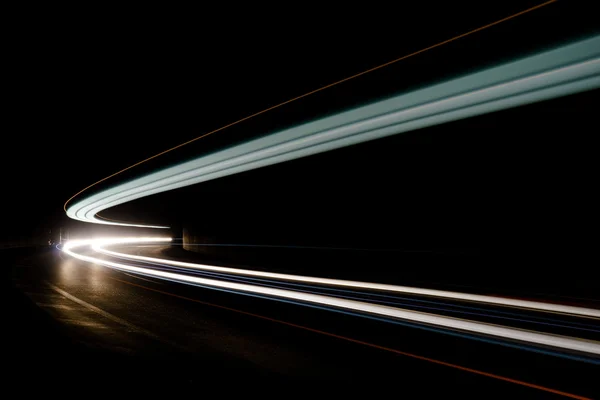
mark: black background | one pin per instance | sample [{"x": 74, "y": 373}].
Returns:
[{"x": 97, "y": 91}]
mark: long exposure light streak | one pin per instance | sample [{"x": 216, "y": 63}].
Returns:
[
  {"x": 535, "y": 305},
  {"x": 565, "y": 70},
  {"x": 538, "y": 338},
  {"x": 322, "y": 88}
]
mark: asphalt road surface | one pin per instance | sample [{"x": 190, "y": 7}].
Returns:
[{"x": 76, "y": 326}]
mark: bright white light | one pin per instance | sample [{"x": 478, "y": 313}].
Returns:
[
  {"x": 112, "y": 240},
  {"x": 560, "y": 72},
  {"x": 535, "y": 305},
  {"x": 539, "y": 338}
]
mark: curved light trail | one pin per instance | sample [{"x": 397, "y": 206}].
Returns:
[
  {"x": 534, "y": 305},
  {"x": 322, "y": 88},
  {"x": 480, "y": 328},
  {"x": 565, "y": 70}
]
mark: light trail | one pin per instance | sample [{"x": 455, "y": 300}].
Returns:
[
  {"x": 537, "y": 338},
  {"x": 415, "y": 53},
  {"x": 534, "y": 305},
  {"x": 577, "y": 329},
  {"x": 565, "y": 70},
  {"x": 361, "y": 342}
]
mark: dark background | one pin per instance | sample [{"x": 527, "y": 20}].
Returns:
[
  {"x": 500, "y": 204},
  {"x": 99, "y": 91}
]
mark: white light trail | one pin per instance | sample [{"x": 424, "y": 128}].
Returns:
[
  {"x": 538, "y": 338},
  {"x": 114, "y": 241},
  {"x": 534, "y": 305},
  {"x": 559, "y": 72}
]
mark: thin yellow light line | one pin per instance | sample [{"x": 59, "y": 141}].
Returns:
[
  {"x": 315, "y": 91},
  {"x": 122, "y": 221},
  {"x": 107, "y": 219}
]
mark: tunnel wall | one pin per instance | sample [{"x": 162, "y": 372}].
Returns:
[{"x": 192, "y": 239}]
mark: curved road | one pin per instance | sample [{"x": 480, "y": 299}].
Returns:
[{"x": 135, "y": 327}]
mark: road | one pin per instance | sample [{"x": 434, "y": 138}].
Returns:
[{"x": 111, "y": 328}]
